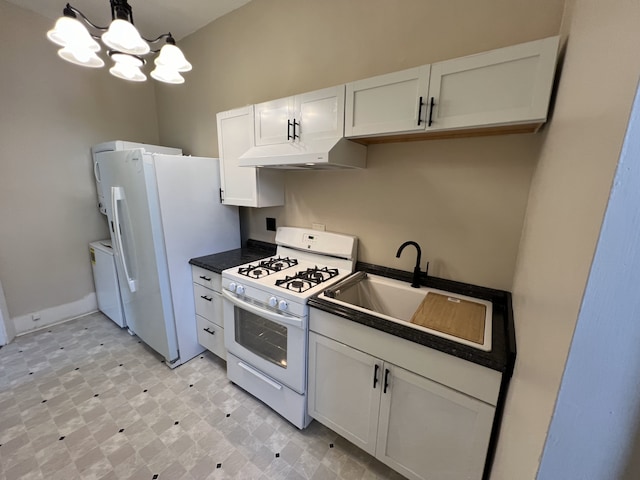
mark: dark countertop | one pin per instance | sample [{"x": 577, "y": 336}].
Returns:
[
  {"x": 217, "y": 262},
  {"x": 503, "y": 353}
]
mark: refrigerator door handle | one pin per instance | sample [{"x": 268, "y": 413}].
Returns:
[
  {"x": 96, "y": 172},
  {"x": 117, "y": 195}
]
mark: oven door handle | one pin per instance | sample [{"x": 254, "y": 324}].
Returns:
[{"x": 275, "y": 317}]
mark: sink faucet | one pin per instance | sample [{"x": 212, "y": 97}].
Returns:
[{"x": 416, "y": 271}]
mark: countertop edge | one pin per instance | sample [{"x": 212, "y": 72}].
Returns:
[{"x": 252, "y": 251}]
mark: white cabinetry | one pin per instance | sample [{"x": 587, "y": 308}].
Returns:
[
  {"x": 304, "y": 117},
  {"x": 388, "y": 103},
  {"x": 506, "y": 89},
  {"x": 424, "y": 413},
  {"x": 244, "y": 186},
  {"x": 505, "y": 86},
  {"x": 427, "y": 430},
  {"x": 208, "y": 302},
  {"x": 341, "y": 391}
]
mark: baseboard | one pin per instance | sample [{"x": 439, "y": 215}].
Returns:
[{"x": 54, "y": 315}]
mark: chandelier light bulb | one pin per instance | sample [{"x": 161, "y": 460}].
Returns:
[
  {"x": 126, "y": 59},
  {"x": 81, "y": 56},
  {"x": 127, "y": 72},
  {"x": 167, "y": 75},
  {"x": 69, "y": 32},
  {"x": 173, "y": 58},
  {"x": 124, "y": 37}
]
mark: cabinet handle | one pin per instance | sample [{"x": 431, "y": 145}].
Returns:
[
  {"x": 420, "y": 103},
  {"x": 386, "y": 380},
  {"x": 210, "y": 332},
  {"x": 203, "y": 277},
  {"x": 431, "y": 104},
  {"x": 294, "y": 129},
  {"x": 208, "y": 299},
  {"x": 375, "y": 375},
  {"x": 289, "y": 137}
]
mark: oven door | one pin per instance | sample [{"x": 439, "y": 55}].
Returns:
[{"x": 271, "y": 342}]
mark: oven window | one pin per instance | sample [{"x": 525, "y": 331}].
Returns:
[{"x": 263, "y": 337}]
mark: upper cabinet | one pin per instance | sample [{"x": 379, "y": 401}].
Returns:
[
  {"x": 244, "y": 186},
  {"x": 505, "y": 86},
  {"x": 500, "y": 91},
  {"x": 492, "y": 92},
  {"x": 304, "y": 117},
  {"x": 387, "y": 104}
]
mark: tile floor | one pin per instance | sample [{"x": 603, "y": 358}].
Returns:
[{"x": 86, "y": 400}]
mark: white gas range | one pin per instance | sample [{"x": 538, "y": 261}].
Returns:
[{"x": 266, "y": 315}]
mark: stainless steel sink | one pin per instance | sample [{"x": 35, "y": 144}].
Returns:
[{"x": 397, "y": 301}]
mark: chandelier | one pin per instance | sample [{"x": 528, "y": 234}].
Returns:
[{"x": 124, "y": 45}]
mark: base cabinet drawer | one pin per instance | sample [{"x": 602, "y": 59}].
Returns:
[
  {"x": 208, "y": 304},
  {"x": 206, "y": 278},
  {"x": 211, "y": 336}
]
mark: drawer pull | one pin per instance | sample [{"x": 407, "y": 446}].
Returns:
[
  {"x": 208, "y": 299},
  {"x": 203, "y": 277},
  {"x": 210, "y": 332}
]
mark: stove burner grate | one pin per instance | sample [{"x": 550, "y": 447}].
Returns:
[
  {"x": 267, "y": 267},
  {"x": 307, "y": 279},
  {"x": 278, "y": 263}
]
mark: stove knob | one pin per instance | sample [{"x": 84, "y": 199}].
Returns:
[
  {"x": 283, "y": 305},
  {"x": 273, "y": 302},
  {"x": 240, "y": 290},
  {"x": 232, "y": 287}
]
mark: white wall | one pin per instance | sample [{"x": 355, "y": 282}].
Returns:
[
  {"x": 567, "y": 200},
  {"x": 51, "y": 113},
  {"x": 594, "y": 425}
]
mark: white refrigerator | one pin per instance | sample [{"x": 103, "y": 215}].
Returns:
[{"x": 162, "y": 211}]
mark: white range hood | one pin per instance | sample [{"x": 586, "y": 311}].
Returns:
[{"x": 326, "y": 153}]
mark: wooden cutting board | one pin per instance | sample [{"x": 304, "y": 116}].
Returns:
[{"x": 451, "y": 315}]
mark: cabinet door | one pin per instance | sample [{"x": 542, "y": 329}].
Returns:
[
  {"x": 389, "y": 103},
  {"x": 341, "y": 390},
  {"x": 273, "y": 121},
  {"x": 244, "y": 186},
  {"x": 320, "y": 114},
  {"x": 429, "y": 431},
  {"x": 505, "y": 86}
]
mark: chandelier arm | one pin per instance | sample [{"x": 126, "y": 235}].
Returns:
[
  {"x": 84, "y": 17},
  {"x": 168, "y": 36}
]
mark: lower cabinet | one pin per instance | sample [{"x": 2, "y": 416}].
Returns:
[
  {"x": 208, "y": 303},
  {"x": 344, "y": 390},
  {"x": 419, "y": 427}
]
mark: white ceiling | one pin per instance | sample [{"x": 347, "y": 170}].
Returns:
[{"x": 152, "y": 17}]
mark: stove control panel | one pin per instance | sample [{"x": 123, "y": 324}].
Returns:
[{"x": 309, "y": 239}]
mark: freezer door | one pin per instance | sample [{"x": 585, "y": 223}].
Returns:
[{"x": 134, "y": 219}]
